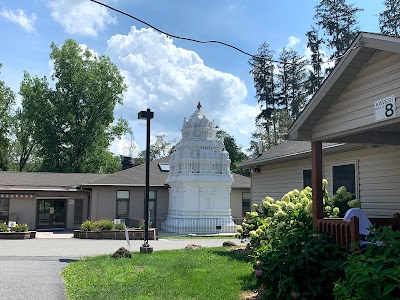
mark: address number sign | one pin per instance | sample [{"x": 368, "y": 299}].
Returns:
[{"x": 385, "y": 108}]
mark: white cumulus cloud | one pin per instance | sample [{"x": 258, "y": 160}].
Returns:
[
  {"x": 170, "y": 81},
  {"x": 292, "y": 41},
  {"x": 19, "y": 17},
  {"x": 81, "y": 17}
]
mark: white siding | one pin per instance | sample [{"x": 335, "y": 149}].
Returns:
[
  {"x": 377, "y": 178},
  {"x": 355, "y": 107},
  {"x": 276, "y": 180}
]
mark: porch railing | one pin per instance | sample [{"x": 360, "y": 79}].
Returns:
[{"x": 345, "y": 233}]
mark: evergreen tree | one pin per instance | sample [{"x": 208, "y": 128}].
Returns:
[
  {"x": 389, "y": 19},
  {"x": 263, "y": 75},
  {"x": 291, "y": 80},
  {"x": 338, "y": 20},
  {"x": 315, "y": 76}
]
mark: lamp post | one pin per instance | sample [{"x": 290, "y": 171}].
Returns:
[{"x": 145, "y": 248}]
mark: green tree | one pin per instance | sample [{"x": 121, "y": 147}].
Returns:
[
  {"x": 291, "y": 82},
  {"x": 264, "y": 82},
  {"x": 389, "y": 19},
  {"x": 315, "y": 76},
  {"x": 160, "y": 148},
  {"x": 73, "y": 122},
  {"x": 236, "y": 154},
  {"x": 23, "y": 144},
  {"x": 338, "y": 20},
  {"x": 7, "y": 100}
]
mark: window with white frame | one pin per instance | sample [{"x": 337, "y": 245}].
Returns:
[
  {"x": 344, "y": 175},
  {"x": 307, "y": 178},
  {"x": 152, "y": 208},
  {"x": 122, "y": 204},
  {"x": 4, "y": 209},
  {"x": 246, "y": 200}
]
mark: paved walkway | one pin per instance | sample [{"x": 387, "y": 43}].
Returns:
[{"x": 30, "y": 269}]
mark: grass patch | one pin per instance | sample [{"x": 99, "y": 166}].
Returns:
[{"x": 208, "y": 273}]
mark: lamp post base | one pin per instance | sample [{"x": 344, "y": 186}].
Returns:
[{"x": 146, "y": 248}]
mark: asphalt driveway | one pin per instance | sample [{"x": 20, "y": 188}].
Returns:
[{"x": 30, "y": 269}]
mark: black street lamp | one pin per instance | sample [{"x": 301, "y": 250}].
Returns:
[{"x": 145, "y": 248}]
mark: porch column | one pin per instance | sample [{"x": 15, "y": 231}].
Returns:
[{"x": 317, "y": 204}]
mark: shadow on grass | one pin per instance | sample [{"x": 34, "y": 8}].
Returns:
[
  {"x": 249, "y": 282},
  {"x": 235, "y": 253}
]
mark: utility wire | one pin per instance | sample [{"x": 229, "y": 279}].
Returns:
[{"x": 215, "y": 41}]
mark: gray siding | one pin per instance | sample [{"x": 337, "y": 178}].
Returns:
[
  {"x": 377, "y": 178},
  {"x": 355, "y": 107}
]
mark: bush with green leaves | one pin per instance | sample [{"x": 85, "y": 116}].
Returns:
[
  {"x": 272, "y": 218},
  {"x": 120, "y": 226},
  {"x": 300, "y": 264},
  {"x": 341, "y": 200},
  {"x": 103, "y": 224},
  {"x": 3, "y": 227},
  {"x": 88, "y": 225},
  {"x": 373, "y": 272},
  {"x": 292, "y": 211},
  {"x": 20, "y": 228}
]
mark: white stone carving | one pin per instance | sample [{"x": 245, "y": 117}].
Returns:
[{"x": 200, "y": 180}]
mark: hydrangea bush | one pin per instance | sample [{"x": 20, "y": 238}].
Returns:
[
  {"x": 293, "y": 210},
  {"x": 272, "y": 218},
  {"x": 291, "y": 260}
]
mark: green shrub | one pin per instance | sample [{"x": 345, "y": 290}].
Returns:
[
  {"x": 20, "y": 228},
  {"x": 272, "y": 218},
  {"x": 119, "y": 226},
  {"x": 301, "y": 264},
  {"x": 374, "y": 272},
  {"x": 3, "y": 227},
  {"x": 88, "y": 225},
  {"x": 340, "y": 200},
  {"x": 103, "y": 224}
]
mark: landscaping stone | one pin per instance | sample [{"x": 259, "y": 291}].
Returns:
[
  {"x": 121, "y": 253},
  {"x": 229, "y": 244},
  {"x": 192, "y": 247}
]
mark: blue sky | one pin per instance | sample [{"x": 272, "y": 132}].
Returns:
[{"x": 166, "y": 75}]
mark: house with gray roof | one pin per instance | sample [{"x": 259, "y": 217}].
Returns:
[
  {"x": 64, "y": 200},
  {"x": 350, "y": 129}
]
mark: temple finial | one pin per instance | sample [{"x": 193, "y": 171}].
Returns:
[{"x": 199, "y": 105}]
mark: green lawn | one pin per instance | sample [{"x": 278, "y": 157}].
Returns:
[{"x": 208, "y": 273}]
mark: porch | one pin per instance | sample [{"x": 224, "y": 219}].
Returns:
[{"x": 357, "y": 104}]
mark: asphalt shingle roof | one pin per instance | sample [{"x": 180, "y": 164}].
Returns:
[
  {"x": 286, "y": 150},
  {"x": 43, "y": 179},
  {"x": 136, "y": 176}
]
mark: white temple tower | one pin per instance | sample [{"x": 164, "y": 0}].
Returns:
[{"x": 200, "y": 180}]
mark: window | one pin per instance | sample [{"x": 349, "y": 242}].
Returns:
[
  {"x": 164, "y": 167},
  {"x": 152, "y": 208},
  {"x": 344, "y": 175},
  {"x": 246, "y": 199},
  {"x": 78, "y": 211},
  {"x": 307, "y": 178},
  {"x": 122, "y": 204},
  {"x": 4, "y": 209}
]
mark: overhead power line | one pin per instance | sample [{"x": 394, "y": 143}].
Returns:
[{"x": 212, "y": 41}]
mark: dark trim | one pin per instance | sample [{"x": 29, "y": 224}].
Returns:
[{"x": 316, "y": 179}]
